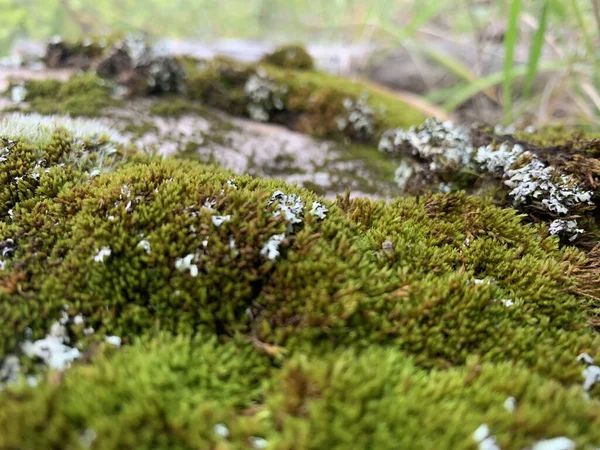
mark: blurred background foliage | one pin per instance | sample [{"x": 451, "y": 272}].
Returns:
[{"x": 555, "y": 41}]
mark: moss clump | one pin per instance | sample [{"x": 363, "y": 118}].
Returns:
[
  {"x": 172, "y": 393},
  {"x": 294, "y": 317},
  {"x": 81, "y": 95},
  {"x": 293, "y": 57},
  {"x": 311, "y": 102},
  {"x": 422, "y": 300},
  {"x": 190, "y": 393}
]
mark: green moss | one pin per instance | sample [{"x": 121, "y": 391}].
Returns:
[
  {"x": 81, "y": 53},
  {"x": 196, "y": 393},
  {"x": 93, "y": 47},
  {"x": 381, "y": 400},
  {"x": 290, "y": 57},
  {"x": 176, "y": 107},
  {"x": 172, "y": 392},
  {"x": 81, "y": 95},
  {"x": 380, "y": 168},
  {"x": 313, "y": 187},
  {"x": 140, "y": 129},
  {"x": 552, "y": 136}
]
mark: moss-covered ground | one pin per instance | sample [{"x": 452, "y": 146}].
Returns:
[{"x": 254, "y": 314}]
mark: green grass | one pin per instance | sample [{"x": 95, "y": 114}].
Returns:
[
  {"x": 510, "y": 41},
  {"x": 535, "y": 52}
]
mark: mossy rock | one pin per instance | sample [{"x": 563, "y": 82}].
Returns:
[
  {"x": 290, "y": 57},
  {"x": 551, "y": 175},
  {"x": 311, "y": 102},
  {"x": 256, "y": 304}
]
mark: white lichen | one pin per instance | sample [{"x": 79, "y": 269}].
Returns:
[
  {"x": 258, "y": 443},
  {"x": 219, "y": 220},
  {"x": 271, "y": 249},
  {"x": 88, "y": 437},
  {"x": 507, "y": 302},
  {"x": 221, "y": 430},
  {"x": 144, "y": 244},
  {"x": 498, "y": 160},
  {"x": 52, "y": 350},
  {"x": 78, "y": 320},
  {"x": 232, "y": 246},
  {"x": 510, "y": 404},
  {"x": 444, "y": 188},
  {"x": 264, "y": 94},
  {"x": 358, "y": 118},
  {"x": 209, "y": 204},
  {"x": 558, "y": 443},
  {"x": 18, "y": 94},
  {"x": 10, "y": 370},
  {"x": 113, "y": 340},
  {"x": 438, "y": 143},
  {"x": 538, "y": 181},
  {"x": 567, "y": 227},
  {"x": 591, "y": 375},
  {"x": 7, "y": 247},
  {"x": 185, "y": 264},
  {"x": 319, "y": 210},
  {"x": 484, "y": 439},
  {"x": 404, "y": 173},
  {"x": 585, "y": 358},
  {"x": 104, "y": 252},
  {"x": 291, "y": 206}
]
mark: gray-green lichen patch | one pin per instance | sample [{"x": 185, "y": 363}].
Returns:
[{"x": 556, "y": 183}]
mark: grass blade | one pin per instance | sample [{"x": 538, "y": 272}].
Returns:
[
  {"x": 510, "y": 41},
  {"x": 455, "y": 66},
  {"x": 535, "y": 51},
  {"x": 456, "y": 96}
]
